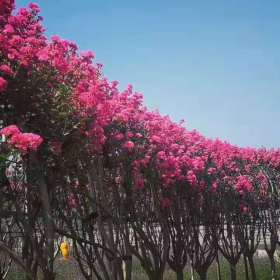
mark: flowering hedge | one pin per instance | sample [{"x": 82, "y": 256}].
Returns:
[{"x": 95, "y": 165}]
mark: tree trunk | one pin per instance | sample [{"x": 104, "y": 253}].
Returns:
[
  {"x": 156, "y": 275},
  {"x": 233, "y": 271},
  {"x": 219, "y": 277},
  {"x": 127, "y": 268},
  {"x": 180, "y": 274},
  {"x": 246, "y": 267},
  {"x": 252, "y": 267},
  {"x": 202, "y": 274},
  {"x": 49, "y": 232},
  {"x": 48, "y": 276},
  {"x": 48, "y": 247},
  {"x": 192, "y": 274},
  {"x": 117, "y": 271},
  {"x": 273, "y": 266}
]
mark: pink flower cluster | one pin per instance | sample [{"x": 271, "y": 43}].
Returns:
[
  {"x": 6, "y": 69},
  {"x": 23, "y": 141},
  {"x": 21, "y": 35},
  {"x": 10, "y": 130},
  {"x": 3, "y": 84},
  {"x": 6, "y": 7},
  {"x": 243, "y": 184}
]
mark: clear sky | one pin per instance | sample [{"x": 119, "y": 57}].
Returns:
[{"x": 214, "y": 63}]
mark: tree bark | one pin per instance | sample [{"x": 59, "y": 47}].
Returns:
[
  {"x": 192, "y": 273},
  {"x": 246, "y": 267},
  {"x": 48, "y": 270},
  {"x": 49, "y": 276},
  {"x": 127, "y": 268},
  {"x": 273, "y": 266},
  {"x": 219, "y": 277},
  {"x": 252, "y": 268},
  {"x": 180, "y": 274},
  {"x": 202, "y": 274},
  {"x": 155, "y": 275},
  {"x": 232, "y": 271}
]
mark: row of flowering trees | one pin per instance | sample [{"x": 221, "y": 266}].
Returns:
[{"x": 79, "y": 158}]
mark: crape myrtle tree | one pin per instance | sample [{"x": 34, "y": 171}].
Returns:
[
  {"x": 178, "y": 230},
  {"x": 114, "y": 156},
  {"x": 202, "y": 247},
  {"x": 228, "y": 202},
  {"x": 269, "y": 214},
  {"x": 251, "y": 226},
  {"x": 191, "y": 229},
  {"x": 203, "y": 213},
  {"x": 79, "y": 158},
  {"x": 37, "y": 117}
]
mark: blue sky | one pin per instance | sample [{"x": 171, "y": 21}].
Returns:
[{"x": 215, "y": 64}]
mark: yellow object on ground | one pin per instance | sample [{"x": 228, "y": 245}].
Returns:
[{"x": 65, "y": 250}]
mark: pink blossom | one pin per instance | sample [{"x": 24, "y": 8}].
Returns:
[
  {"x": 55, "y": 38},
  {"x": 243, "y": 184},
  {"x": 43, "y": 54},
  {"x": 191, "y": 177},
  {"x": 6, "y": 70},
  {"x": 34, "y": 7},
  {"x": 26, "y": 141},
  {"x": 9, "y": 130},
  {"x": 155, "y": 139},
  {"x": 88, "y": 56},
  {"x": 3, "y": 84},
  {"x": 214, "y": 186},
  {"x": 6, "y": 8},
  {"x": 161, "y": 155},
  {"x": 129, "y": 134},
  {"x": 138, "y": 135},
  {"x": 119, "y": 136},
  {"x": 211, "y": 171},
  {"x": 198, "y": 164},
  {"x": 9, "y": 29},
  {"x": 128, "y": 145}
]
